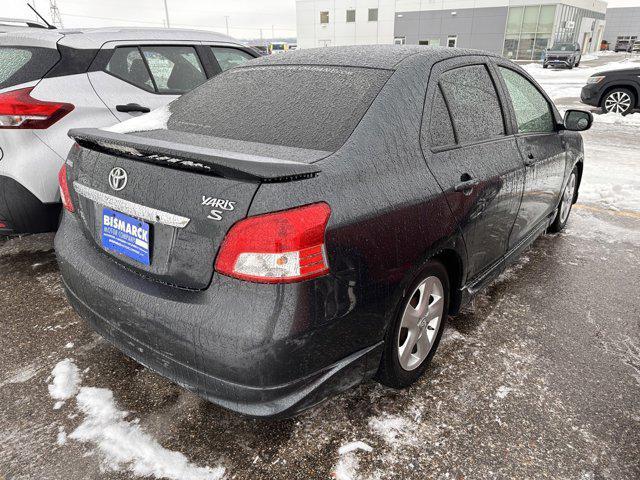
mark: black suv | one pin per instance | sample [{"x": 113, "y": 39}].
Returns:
[{"x": 615, "y": 91}]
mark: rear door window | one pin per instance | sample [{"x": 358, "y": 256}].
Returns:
[
  {"x": 306, "y": 106},
  {"x": 440, "y": 128},
  {"x": 230, "y": 57},
  {"x": 533, "y": 112},
  {"x": 25, "y": 64},
  {"x": 473, "y": 103},
  {"x": 175, "y": 69},
  {"x": 160, "y": 69},
  {"x": 127, "y": 64}
]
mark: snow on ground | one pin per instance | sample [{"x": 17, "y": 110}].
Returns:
[
  {"x": 347, "y": 466},
  {"x": 66, "y": 381},
  {"x": 611, "y": 174},
  {"x": 563, "y": 83},
  {"x": 123, "y": 443}
]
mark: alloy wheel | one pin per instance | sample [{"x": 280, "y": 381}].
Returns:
[
  {"x": 618, "y": 102},
  {"x": 567, "y": 198},
  {"x": 420, "y": 323}
]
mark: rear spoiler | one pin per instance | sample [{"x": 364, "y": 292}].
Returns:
[{"x": 223, "y": 163}]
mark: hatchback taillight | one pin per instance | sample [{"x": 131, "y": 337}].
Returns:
[
  {"x": 18, "y": 109},
  {"x": 64, "y": 190},
  {"x": 278, "y": 247}
]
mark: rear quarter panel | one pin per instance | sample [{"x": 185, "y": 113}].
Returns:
[{"x": 388, "y": 213}]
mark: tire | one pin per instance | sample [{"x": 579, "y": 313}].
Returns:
[
  {"x": 394, "y": 372},
  {"x": 566, "y": 202},
  {"x": 619, "y": 100},
  {"x": 545, "y": 66}
]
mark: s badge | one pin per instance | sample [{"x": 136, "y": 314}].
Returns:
[{"x": 219, "y": 206}]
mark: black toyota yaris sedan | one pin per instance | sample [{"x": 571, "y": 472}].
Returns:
[{"x": 309, "y": 220}]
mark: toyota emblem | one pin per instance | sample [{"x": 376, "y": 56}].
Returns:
[{"x": 118, "y": 178}]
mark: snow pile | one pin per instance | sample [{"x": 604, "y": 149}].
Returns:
[
  {"x": 66, "y": 381},
  {"x": 124, "y": 444},
  {"x": 503, "y": 391},
  {"x": 347, "y": 466},
  {"x": 155, "y": 120},
  {"x": 394, "y": 429},
  {"x": 562, "y": 83},
  {"x": 353, "y": 446},
  {"x": 611, "y": 174},
  {"x": 632, "y": 120}
]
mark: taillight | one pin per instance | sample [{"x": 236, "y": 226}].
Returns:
[
  {"x": 64, "y": 190},
  {"x": 278, "y": 247},
  {"x": 19, "y": 110}
]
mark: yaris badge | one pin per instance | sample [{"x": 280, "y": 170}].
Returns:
[{"x": 118, "y": 178}]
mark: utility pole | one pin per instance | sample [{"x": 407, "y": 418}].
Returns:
[
  {"x": 273, "y": 35},
  {"x": 166, "y": 14},
  {"x": 56, "y": 19},
  {"x": 226, "y": 19}
]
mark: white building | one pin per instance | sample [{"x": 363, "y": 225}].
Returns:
[
  {"x": 323, "y": 23},
  {"x": 519, "y": 29}
]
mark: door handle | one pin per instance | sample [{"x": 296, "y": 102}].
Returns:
[
  {"x": 466, "y": 186},
  {"x": 132, "y": 107}
]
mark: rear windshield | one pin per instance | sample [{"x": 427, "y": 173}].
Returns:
[
  {"x": 313, "y": 107},
  {"x": 24, "y": 64}
]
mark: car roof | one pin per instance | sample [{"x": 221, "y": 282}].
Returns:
[
  {"x": 96, "y": 37},
  {"x": 367, "y": 56}
]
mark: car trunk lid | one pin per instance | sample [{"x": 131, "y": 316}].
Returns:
[{"x": 181, "y": 195}]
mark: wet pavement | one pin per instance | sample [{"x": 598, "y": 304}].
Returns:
[{"x": 539, "y": 378}]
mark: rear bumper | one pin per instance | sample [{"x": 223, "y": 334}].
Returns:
[
  {"x": 259, "y": 350},
  {"x": 22, "y": 212}
]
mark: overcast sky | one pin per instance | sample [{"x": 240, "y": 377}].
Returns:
[{"x": 246, "y": 17}]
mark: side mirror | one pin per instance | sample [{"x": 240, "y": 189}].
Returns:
[{"x": 577, "y": 120}]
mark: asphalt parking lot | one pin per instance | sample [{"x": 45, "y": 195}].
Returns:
[{"x": 539, "y": 378}]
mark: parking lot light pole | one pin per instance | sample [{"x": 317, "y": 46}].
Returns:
[{"x": 166, "y": 14}]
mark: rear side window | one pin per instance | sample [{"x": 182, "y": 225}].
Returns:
[
  {"x": 440, "y": 127},
  {"x": 306, "y": 106},
  {"x": 25, "y": 64},
  {"x": 127, "y": 63},
  {"x": 230, "y": 57},
  {"x": 473, "y": 103},
  {"x": 175, "y": 69},
  {"x": 533, "y": 112}
]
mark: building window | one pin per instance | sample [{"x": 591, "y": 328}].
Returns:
[
  {"x": 351, "y": 16},
  {"x": 423, "y": 42},
  {"x": 324, "y": 17},
  {"x": 373, "y": 14},
  {"x": 452, "y": 41},
  {"x": 399, "y": 40},
  {"x": 529, "y": 31}
]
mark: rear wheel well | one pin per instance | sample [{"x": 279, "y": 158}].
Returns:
[
  {"x": 453, "y": 264},
  {"x": 631, "y": 88}
]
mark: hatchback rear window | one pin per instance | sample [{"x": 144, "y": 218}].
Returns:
[
  {"x": 306, "y": 106},
  {"x": 25, "y": 64}
]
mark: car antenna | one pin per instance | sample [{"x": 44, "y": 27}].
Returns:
[{"x": 49, "y": 26}]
